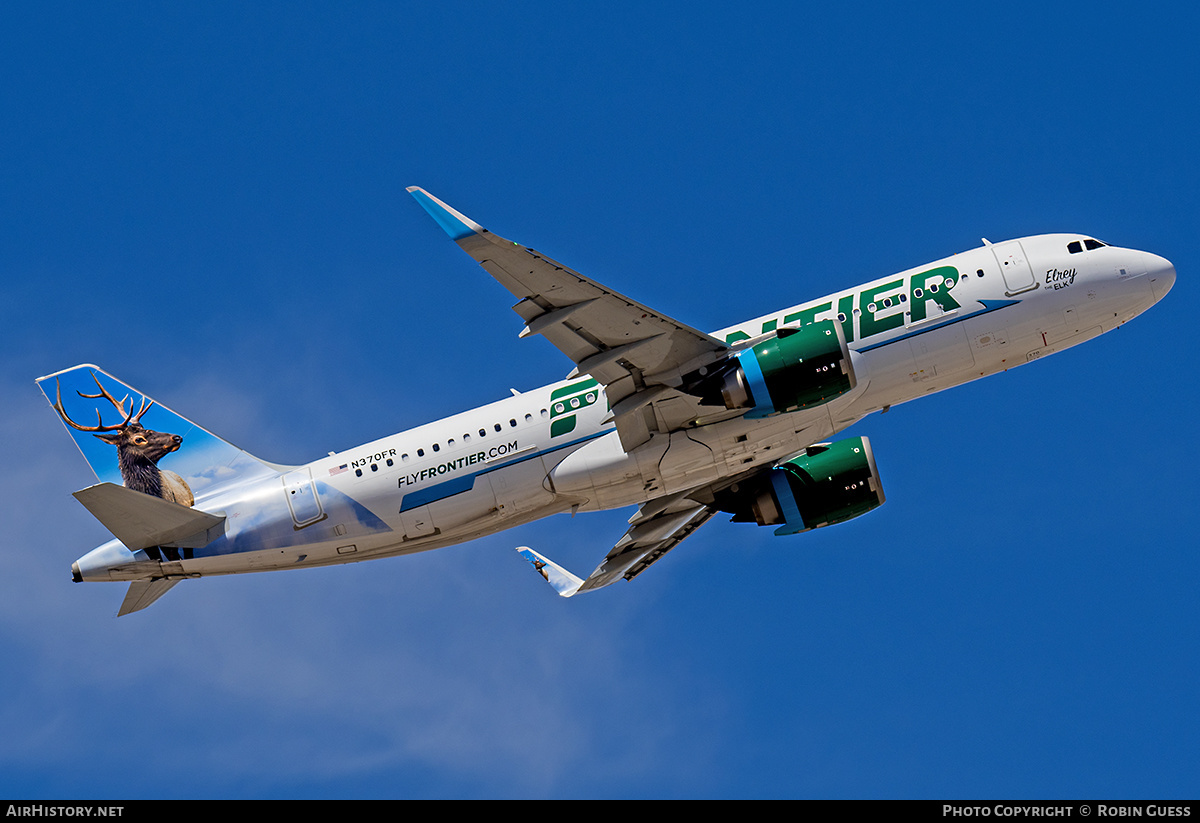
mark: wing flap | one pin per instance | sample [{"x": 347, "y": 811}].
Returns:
[
  {"x": 654, "y": 530},
  {"x": 647, "y": 540}
]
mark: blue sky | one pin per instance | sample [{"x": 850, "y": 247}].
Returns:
[{"x": 209, "y": 203}]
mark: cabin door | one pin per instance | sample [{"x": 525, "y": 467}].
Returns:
[
  {"x": 302, "y": 499},
  {"x": 1014, "y": 266}
]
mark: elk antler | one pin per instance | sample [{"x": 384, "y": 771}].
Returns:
[{"x": 119, "y": 404}]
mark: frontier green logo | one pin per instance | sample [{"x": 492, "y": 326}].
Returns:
[
  {"x": 880, "y": 308},
  {"x": 565, "y": 402}
]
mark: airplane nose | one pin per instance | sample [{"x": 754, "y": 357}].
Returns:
[{"x": 1161, "y": 274}]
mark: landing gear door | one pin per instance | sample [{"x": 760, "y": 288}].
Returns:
[
  {"x": 302, "y": 499},
  {"x": 1014, "y": 266}
]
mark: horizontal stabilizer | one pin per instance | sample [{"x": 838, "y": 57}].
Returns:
[
  {"x": 141, "y": 521},
  {"x": 565, "y": 583},
  {"x": 143, "y": 593}
]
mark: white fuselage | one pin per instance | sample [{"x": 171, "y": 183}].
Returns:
[{"x": 485, "y": 470}]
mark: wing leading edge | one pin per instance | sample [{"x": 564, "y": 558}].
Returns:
[{"x": 637, "y": 354}]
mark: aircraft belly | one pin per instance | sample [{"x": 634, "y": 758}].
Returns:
[
  {"x": 517, "y": 488},
  {"x": 941, "y": 353},
  {"x": 688, "y": 462},
  {"x": 592, "y": 469},
  {"x": 417, "y": 522},
  {"x": 892, "y": 369},
  {"x": 451, "y": 512},
  {"x": 601, "y": 475}
]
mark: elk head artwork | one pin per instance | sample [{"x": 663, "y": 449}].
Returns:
[{"x": 138, "y": 449}]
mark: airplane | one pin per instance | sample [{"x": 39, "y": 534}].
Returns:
[{"x": 656, "y": 414}]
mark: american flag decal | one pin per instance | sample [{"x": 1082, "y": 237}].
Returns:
[{"x": 339, "y": 469}]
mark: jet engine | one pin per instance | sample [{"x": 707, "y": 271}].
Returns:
[
  {"x": 794, "y": 369},
  {"x": 829, "y": 483}
]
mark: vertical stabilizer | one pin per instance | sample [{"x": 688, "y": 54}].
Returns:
[{"x": 131, "y": 440}]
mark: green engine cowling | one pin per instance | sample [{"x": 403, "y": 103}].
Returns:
[
  {"x": 828, "y": 484},
  {"x": 795, "y": 369}
]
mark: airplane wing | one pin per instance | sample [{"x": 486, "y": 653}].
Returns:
[
  {"x": 636, "y": 353},
  {"x": 835, "y": 482},
  {"x": 657, "y": 527}
]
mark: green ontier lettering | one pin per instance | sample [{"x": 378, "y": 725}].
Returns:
[
  {"x": 846, "y": 310},
  {"x": 932, "y": 286},
  {"x": 874, "y": 321},
  {"x": 922, "y": 288},
  {"x": 807, "y": 315}
]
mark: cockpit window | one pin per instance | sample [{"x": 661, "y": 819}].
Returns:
[
  {"x": 1093, "y": 244},
  {"x": 1075, "y": 247}
]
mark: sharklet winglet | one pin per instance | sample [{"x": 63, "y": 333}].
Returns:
[
  {"x": 563, "y": 582},
  {"x": 453, "y": 222}
]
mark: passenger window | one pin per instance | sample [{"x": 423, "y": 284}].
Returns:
[
  {"x": 512, "y": 423},
  {"x": 1074, "y": 247},
  {"x": 483, "y": 432},
  {"x": 420, "y": 452},
  {"x": 979, "y": 273},
  {"x": 498, "y": 427},
  {"x": 436, "y": 447}
]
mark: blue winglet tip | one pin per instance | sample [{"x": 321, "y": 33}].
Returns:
[{"x": 452, "y": 222}]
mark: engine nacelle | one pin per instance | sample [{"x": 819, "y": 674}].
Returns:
[
  {"x": 795, "y": 369},
  {"x": 830, "y": 483}
]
